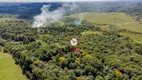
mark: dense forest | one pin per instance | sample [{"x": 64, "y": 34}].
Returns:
[{"x": 46, "y": 53}]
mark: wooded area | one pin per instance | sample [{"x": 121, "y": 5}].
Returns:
[{"x": 45, "y": 53}]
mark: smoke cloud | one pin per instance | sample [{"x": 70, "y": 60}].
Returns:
[
  {"x": 79, "y": 19},
  {"x": 47, "y": 17}
]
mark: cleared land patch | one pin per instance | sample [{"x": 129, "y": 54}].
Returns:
[
  {"x": 135, "y": 37},
  {"x": 120, "y": 20},
  {"x": 8, "y": 69}
]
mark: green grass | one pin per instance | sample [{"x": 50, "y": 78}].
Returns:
[
  {"x": 90, "y": 33},
  {"x": 7, "y": 19},
  {"x": 120, "y": 20},
  {"x": 135, "y": 37},
  {"x": 8, "y": 69}
]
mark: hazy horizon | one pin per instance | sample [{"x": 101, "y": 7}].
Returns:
[{"x": 60, "y": 0}]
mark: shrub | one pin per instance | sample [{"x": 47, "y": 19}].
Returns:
[
  {"x": 93, "y": 61},
  {"x": 63, "y": 64},
  {"x": 77, "y": 72},
  {"x": 99, "y": 78},
  {"x": 72, "y": 65},
  {"x": 139, "y": 77}
]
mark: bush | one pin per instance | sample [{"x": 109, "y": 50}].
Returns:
[
  {"x": 93, "y": 61},
  {"x": 109, "y": 77},
  {"x": 139, "y": 77},
  {"x": 63, "y": 64},
  {"x": 72, "y": 65},
  {"x": 77, "y": 72},
  {"x": 99, "y": 78},
  {"x": 5, "y": 50},
  {"x": 1, "y": 49}
]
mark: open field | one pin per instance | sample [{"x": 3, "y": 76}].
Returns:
[
  {"x": 135, "y": 37},
  {"x": 8, "y": 69},
  {"x": 120, "y": 20},
  {"x": 7, "y": 19}
]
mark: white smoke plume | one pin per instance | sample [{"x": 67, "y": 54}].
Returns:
[
  {"x": 47, "y": 17},
  {"x": 79, "y": 19}
]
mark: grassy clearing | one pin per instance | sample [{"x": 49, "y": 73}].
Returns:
[
  {"x": 90, "y": 33},
  {"x": 8, "y": 69},
  {"x": 120, "y": 20},
  {"x": 135, "y": 37},
  {"x": 105, "y": 28},
  {"x": 7, "y": 19}
]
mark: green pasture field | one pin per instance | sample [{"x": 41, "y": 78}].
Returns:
[
  {"x": 8, "y": 69},
  {"x": 120, "y": 20}
]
